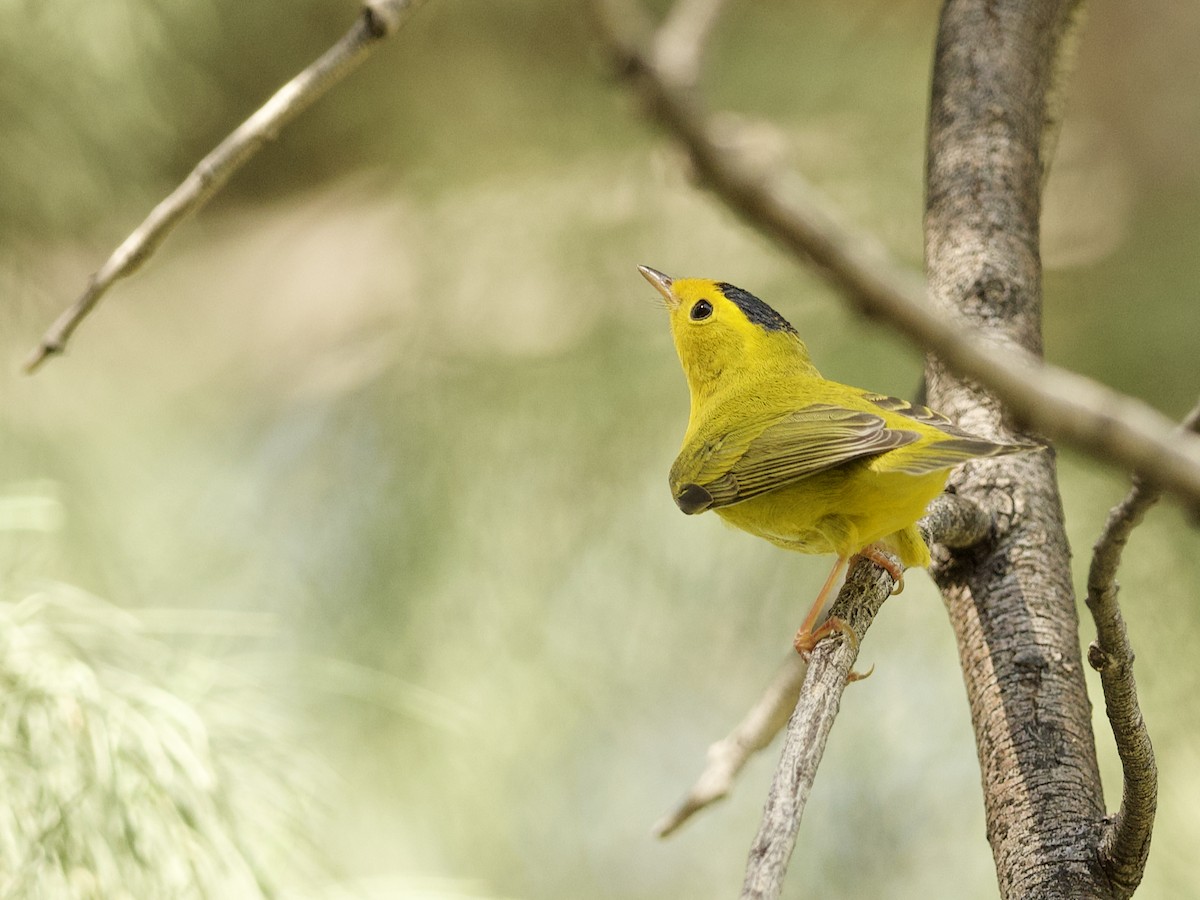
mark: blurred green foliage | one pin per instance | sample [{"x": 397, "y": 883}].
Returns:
[
  {"x": 131, "y": 770},
  {"x": 400, "y": 391}
]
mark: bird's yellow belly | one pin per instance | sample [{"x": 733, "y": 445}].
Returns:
[{"x": 842, "y": 511}]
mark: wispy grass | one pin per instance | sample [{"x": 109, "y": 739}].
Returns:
[{"x": 130, "y": 770}]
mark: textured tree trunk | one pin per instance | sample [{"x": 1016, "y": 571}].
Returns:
[{"x": 1010, "y": 601}]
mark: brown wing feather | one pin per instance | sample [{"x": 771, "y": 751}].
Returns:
[
  {"x": 959, "y": 446},
  {"x": 761, "y": 457}
]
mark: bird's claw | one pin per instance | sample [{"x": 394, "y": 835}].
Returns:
[
  {"x": 806, "y": 641},
  {"x": 886, "y": 562},
  {"x": 859, "y": 676}
]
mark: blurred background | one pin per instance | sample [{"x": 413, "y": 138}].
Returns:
[{"x": 360, "y": 484}]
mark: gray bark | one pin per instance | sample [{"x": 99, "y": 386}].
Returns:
[{"x": 1011, "y": 603}]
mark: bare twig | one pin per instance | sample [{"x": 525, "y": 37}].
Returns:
[
  {"x": 1125, "y": 839},
  {"x": 379, "y": 20},
  {"x": 1125, "y": 842},
  {"x": 728, "y": 756},
  {"x": 1063, "y": 405},
  {"x": 680, "y": 42},
  {"x": 950, "y": 521},
  {"x": 866, "y": 588}
]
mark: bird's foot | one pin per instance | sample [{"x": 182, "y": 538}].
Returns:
[
  {"x": 806, "y": 641},
  {"x": 887, "y": 562}
]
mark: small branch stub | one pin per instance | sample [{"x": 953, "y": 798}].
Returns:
[
  {"x": 1097, "y": 658},
  {"x": 385, "y": 16}
]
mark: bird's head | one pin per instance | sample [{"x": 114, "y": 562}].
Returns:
[{"x": 720, "y": 329}]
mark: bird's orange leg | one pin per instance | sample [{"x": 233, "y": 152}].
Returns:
[
  {"x": 885, "y": 562},
  {"x": 807, "y": 637}
]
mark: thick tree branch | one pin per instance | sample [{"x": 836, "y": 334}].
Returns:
[
  {"x": 1125, "y": 840},
  {"x": 379, "y": 20},
  {"x": 1012, "y": 606},
  {"x": 1064, "y": 406}
]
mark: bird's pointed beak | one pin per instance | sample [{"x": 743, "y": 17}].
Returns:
[{"x": 662, "y": 284}]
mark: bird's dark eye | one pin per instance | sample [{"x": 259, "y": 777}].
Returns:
[{"x": 701, "y": 309}]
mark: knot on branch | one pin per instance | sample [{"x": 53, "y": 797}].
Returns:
[
  {"x": 383, "y": 17},
  {"x": 955, "y": 522},
  {"x": 1107, "y": 663}
]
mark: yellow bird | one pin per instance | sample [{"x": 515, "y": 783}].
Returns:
[{"x": 807, "y": 463}]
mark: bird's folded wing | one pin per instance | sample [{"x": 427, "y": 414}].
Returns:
[
  {"x": 763, "y": 455},
  {"x": 958, "y": 446},
  {"x": 933, "y": 457}
]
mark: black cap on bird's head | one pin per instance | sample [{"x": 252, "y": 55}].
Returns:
[{"x": 755, "y": 310}]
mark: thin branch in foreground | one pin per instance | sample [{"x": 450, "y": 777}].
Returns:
[
  {"x": 379, "y": 20},
  {"x": 866, "y": 588},
  {"x": 728, "y": 756},
  {"x": 1112, "y": 427},
  {"x": 950, "y": 521},
  {"x": 1125, "y": 841},
  {"x": 681, "y": 40}
]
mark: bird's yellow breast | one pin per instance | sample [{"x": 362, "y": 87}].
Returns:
[{"x": 841, "y": 511}]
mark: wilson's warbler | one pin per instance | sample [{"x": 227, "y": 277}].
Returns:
[{"x": 807, "y": 463}]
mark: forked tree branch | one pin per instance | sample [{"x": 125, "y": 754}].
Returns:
[
  {"x": 951, "y": 522},
  {"x": 728, "y": 756},
  {"x": 681, "y": 40},
  {"x": 1125, "y": 840},
  {"x": 995, "y": 119},
  {"x": 1064, "y": 406},
  {"x": 866, "y": 588},
  {"x": 379, "y": 19}
]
